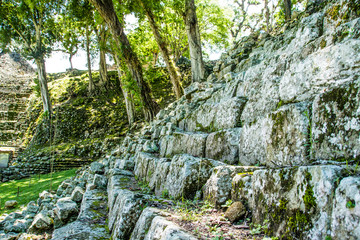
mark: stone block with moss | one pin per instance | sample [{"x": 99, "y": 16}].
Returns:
[
  {"x": 223, "y": 145},
  {"x": 219, "y": 186},
  {"x": 296, "y": 201},
  {"x": 336, "y": 123},
  {"x": 182, "y": 142}
]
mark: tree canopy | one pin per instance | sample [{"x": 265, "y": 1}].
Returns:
[{"x": 161, "y": 34}]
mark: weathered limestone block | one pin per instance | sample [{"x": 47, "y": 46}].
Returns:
[
  {"x": 143, "y": 224},
  {"x": 187, "y": 175},
  {"x": 91, "y": 222},
  {"x": 241, "y": 189},
  {"x": 295, "y": 200},
  {"x": 41, "y": 223},
  {"x": 336, "y": 123},
  {"x": 159, "y": 176},
  {"x": 80, "y": 230},
  {"x": 66, "y": 210},
  {"x": 218, "y": 187},
  {"x": 150, "y": 147},
  {"x": 279, "y": 139},
  {"x": 94, "y": 204},
  {"x": 180, "y": 142},
  {"x": 252, "y": 146},
  {"x": 162, "y": 229},
  {"x": 224, "y": 145},
  {"x": 319, "y": 71},
  {"x": 211, "y": 117},
  {"x": 18, "y": 226},
  {"x": 118, "y": 180},
  {"x": 77, "y": 194},
  {"x": 345, "y": 222},
  {"x": 288, "y": 142},
  {"x": 97, "y": 168},
  {"x": 125, "y": 213},
  {"x": 99, "y": 181},
  {"x": 126, "y": 163}
]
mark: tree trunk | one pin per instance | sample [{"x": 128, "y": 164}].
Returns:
[
  {"x": 129, "y": 103},
  {"x": 40, "y": 63},
  {"x": 107, "y": 11},
  {"x": 103, "y": 69},
  {"x": 267, "y": 16},
  {"x": 155, "y": 57},
  {"x": 102, "y": 62},
  {"x": 287, "y": 9},
  {"x": 91, "y": 82},
  {"x": 193, "y": 33},
  {"x": 170, "y": 65},
  {"x": 70, "y": 60}
]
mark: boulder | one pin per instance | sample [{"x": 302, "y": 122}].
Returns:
[
  {"x": 42, "y": 222},
  {"x": 235, "y": 212},
  {"x": 77, "y": 194},
  {"x": 97, "y": 168},
  {"x": 10, "y": 204},
  {"x": 32, "y": 208},
  {"x": 66, "y": 210},
  {"x": 100, "y": 181}
]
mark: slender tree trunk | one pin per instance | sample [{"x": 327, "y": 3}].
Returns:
[
  {"x": 107, "y": 11},
  {"x": 193, "y": 33},
  {"x": 129, "y": 103},
  {"x": 40, "y": 63},
  {"x": 103, "y": 69},
  {"x": 102, "y": 62},
  {"x": 287, "y": 9},
  {"x": 155, "y": 57},
  {"x": 70, "y": 60},
  {"x": 267, "y": 16},
  {"x": 170, "y": 65},
  {"x": 91, "y": 82}
]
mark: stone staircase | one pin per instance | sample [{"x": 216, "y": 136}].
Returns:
[{"x": 15, "y": 89}]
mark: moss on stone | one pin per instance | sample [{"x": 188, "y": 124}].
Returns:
[{"x": 333, "y": 12}]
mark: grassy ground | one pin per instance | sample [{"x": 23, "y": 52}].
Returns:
[{"x": 29, "y": 188}]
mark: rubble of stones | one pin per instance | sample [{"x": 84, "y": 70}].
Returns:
[{"x": 275, "y": 129}]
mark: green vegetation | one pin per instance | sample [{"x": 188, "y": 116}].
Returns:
[
  {"x": 29, "y": 188},
  {"x": 350, "y": 204}
]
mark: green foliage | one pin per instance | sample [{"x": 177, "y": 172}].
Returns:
[
  {"x": 29, "y": 188},
  {"x": 350, "y": 204},
  {"x": 29, "y": 26},
  {"x": 259, "y": 228}
]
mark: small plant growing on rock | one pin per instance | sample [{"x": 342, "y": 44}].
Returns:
[
  {"x": 258, "y": 228},
  {"x": 350, "y": 204}
]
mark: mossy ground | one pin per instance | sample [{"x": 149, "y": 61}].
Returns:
[{"x": 29, "y": 188}]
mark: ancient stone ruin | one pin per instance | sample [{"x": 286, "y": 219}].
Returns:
[{"x": 275, "y": 127}]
